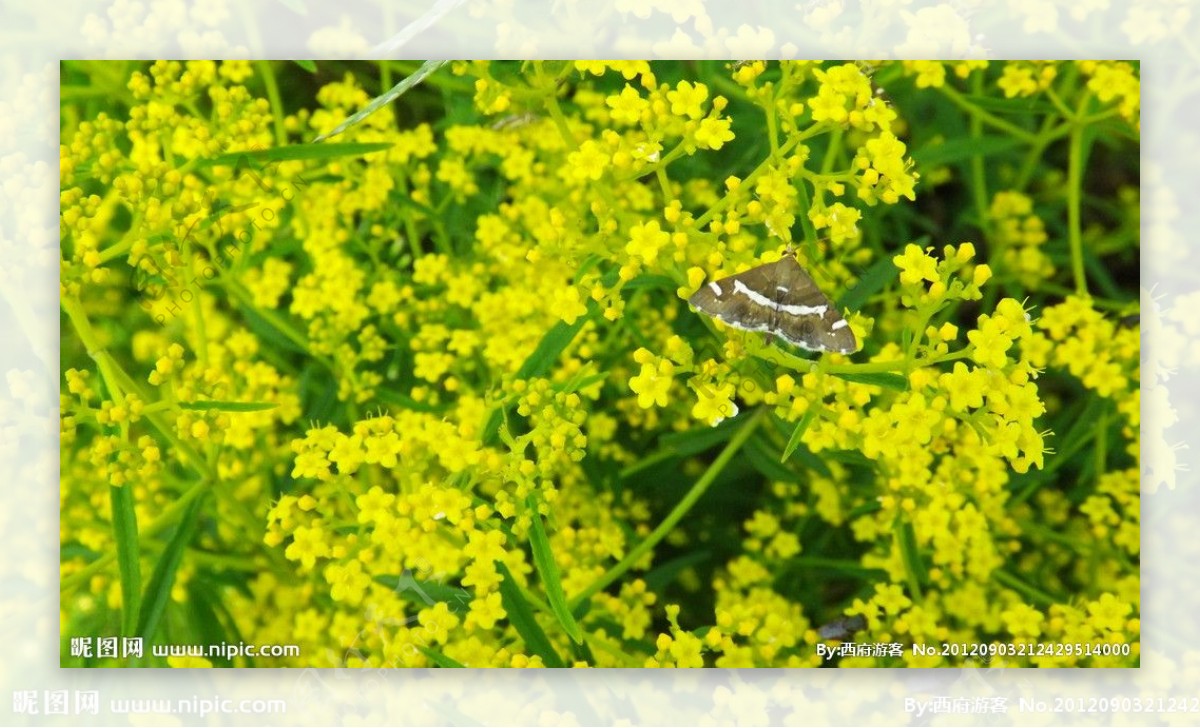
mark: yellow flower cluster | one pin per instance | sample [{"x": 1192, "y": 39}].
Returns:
[{"x": 436, "y": 398}]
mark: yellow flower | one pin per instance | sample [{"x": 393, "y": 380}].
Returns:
[
  {"x": 627, "y": 106},
  {"x": 714, "y": 403},
  {"x": 915, "y": 265},
  {"x": 566, "y": 304},
  {"x": 688, "y": 100},
  {"x": 713, "y": 133},
  {"x": 645, "y": 240},
  {"x": 652, "y": 383}
]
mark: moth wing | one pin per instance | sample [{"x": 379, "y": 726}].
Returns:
[
  {"x": 807, "y": 318},
  {"x": 727, "y": 299}
]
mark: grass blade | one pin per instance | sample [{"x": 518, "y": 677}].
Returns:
[
  {"x": 538, "y": 363},
  {"x": 385, "y": 98},
  {"x": 438, "y": 658},
  {"x": 874, "y": 280},
  {"x": 440, "y": 8},
  {"x": 307, "y": 66},
  {"x": 958, "y": 150},
  {"x": 125, "y": 529},
  {"x": 294, "y": 152},
  {"x": 520, "y": 615},
  {"x": 158, "y": 591},
  {"x": 888, "y": 380},
  {"x": 228, "y": 406},
  {"x": 801, "y": 426},
  {"x": 910, "y": 555},
  {"x": 543, "y": 559},
  {"x": 406, "y": 586}
]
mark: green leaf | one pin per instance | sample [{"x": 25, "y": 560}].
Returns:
[
  {"x": 801, "y": 426},
  {"x": 1023, "y": 106},
  {"x": 403, "y": 401},
  {"x": 438, "y": 658},
  {"x": 881, "y": 273},
  {"x": 307, "y": 66},
  {"x": 213, "y": 404},
  {"x": 520, "y": 615},
  {"x": 385, "y": 98},
  {"x": 158, "y": 591},
  {"x": 266, "y": 329},
  {"x": 539, "y": 362},
  {"x": 762, "y": 456},
  {"x": 294, "y": 152},
  {"x": 651, "y": 281},
  {"x": 543, "y": 559},
  {"x": 203, "y": 617},
  {"x": 958, "y": 150},
  {"x": 662, "y": 575},
  {"x": 888, "y": 380},
  {"x": 551, "y": 347},
  {"x": 125, "y": 529},
  {"x": 910, "y": 555},
  {"x": 425, "y": 592},
  {"x": 422, "y": 23},
  {"x": 698, "y": 439}
]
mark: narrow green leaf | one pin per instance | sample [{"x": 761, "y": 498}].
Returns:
[
  {"x": 520, "y": 615},
  {"x": 801, "y": 426},
  {"x": 765, "y": 460},
  {"x": 419, "y": 25},
  {"x": 213, "y": 404},
  {"x": 1025, "y": 106},
  {"x": 385, "y": 98},
  {"x": 959, "y": 150},
  {"x": 125, "y": 529},
  {"x": 551, "y": 347},
  {"x": 910, "y": 555},
  {"x": 203, "y": 617},
  {"x": 661, "y": 576},
  {"x": 267, "y": 330},
  {"x": 307, "y": 66},
  {"x": 845, "y": 567},
  {"x": 425, "y": 592},
  {"x": 651, "y": 281},
  {"x": 881, "y": 273},
  {"x": 294, "y": 152},
  {"x": 403, "y": 401},
  {"x": 538, "y": 363},
  {"x": 548, "y": 350},
  {"x": 698, "y": 439},
  {"x": 889, "y": 380},
  {"x": 158, "y": 591},
  {"x": 543, "y": 560},
  {"x": 438, "y": 658}
]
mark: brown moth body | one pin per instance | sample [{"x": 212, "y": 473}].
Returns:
[{"x": 780, "y": 299}]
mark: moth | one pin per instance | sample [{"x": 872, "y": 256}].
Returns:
[{"x": 781, "y": 299}]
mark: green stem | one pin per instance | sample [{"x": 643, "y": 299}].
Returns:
[
  {"x": 772, "y": 123},
  {"x": 1074, "y": 206},
  {"x": 902, "y": 530},
  {"x": 978, "y": 179},
  {"x": 560, "y": 121},
  {"x": 676, "y": 514},
  {"x": 268, "y": 75},
  {"x": 725, "y": 201},
  {"x": 1101, "y": 444},
  {"x": 168, "y": 517},
  {"x": 1037, "y": 595},
  {"x": 957, "y": 99}
]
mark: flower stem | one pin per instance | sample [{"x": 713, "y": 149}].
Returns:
[
  {"x": 676, "y": 514},
  {"x": 1074, "y": 205}
]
